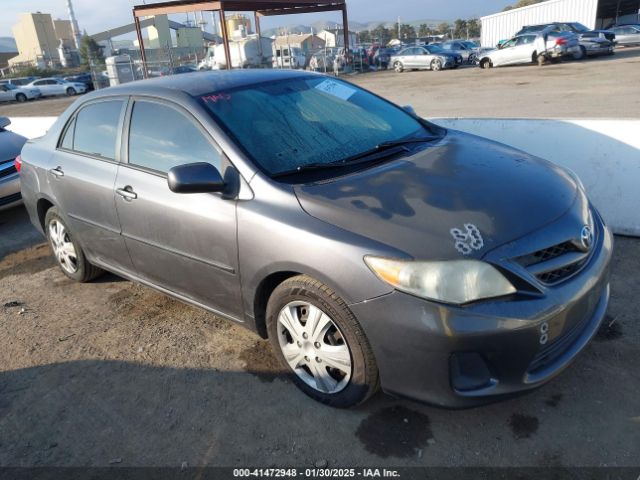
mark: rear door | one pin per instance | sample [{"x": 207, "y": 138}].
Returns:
[
  {"x": 523, "y": 51},
  {"x": 83, "y": 173},
  {"x": 185, "y": 243}
]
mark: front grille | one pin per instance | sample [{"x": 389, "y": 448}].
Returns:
[
  {"x": 8, "y": 171},
  {"x": 552, "y": 351},
  {"x": 547, "y": 254},
  {"x": 554, "y": 264},
  {"x": 10, "y": 199}
]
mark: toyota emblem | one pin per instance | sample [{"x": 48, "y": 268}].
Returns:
[{"x": 586, "y": 237}]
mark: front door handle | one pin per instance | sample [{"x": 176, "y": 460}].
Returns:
[
  {"x": 127, "y": 193},
  {"x": 57, "y": 172}
]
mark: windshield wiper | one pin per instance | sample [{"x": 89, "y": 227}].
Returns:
[{"x": 379, "y": 152}]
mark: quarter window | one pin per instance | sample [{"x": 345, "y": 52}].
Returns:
[
  {"x": 96, "y": 129},
  {"x": 161, "y": 137}
]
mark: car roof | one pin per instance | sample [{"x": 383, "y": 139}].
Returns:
[{"x": 200, "y": 83}]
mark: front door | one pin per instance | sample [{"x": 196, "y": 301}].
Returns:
[
  {"x": 82, "y": 174},
  {"x": 185, "y": 243}
]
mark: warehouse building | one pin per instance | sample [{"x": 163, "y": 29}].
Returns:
[{"x": 591, "y": 13}]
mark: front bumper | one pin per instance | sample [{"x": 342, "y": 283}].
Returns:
[{"x": 437, "y": 353}]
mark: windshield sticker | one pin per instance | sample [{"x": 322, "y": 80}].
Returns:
[
  {"x": 469, "y": 240},
  {"x": 216, "y": 98},
  {"x": 336, "y": 89}
]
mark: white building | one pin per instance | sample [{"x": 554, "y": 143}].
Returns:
[
  {"x": 591, "y": 13},
  {"x": 335, "y": 37}
]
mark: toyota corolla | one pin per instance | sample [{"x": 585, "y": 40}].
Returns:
[{"x": 373, "y": 248}]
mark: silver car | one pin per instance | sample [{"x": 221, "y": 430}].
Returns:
[
  {"x": 627, "y": 34},
  {"x": 530, "y": 48},
  {"x": 10, "y": 146},
  {"x": 465, "y": 48},
  {"x": 429, "y": 57},
  {"x": 12, "y": 93}
]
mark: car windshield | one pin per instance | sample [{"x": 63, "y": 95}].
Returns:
[
  {"x": 579, "y": 27},
  {"x": 293, "y": 123}
]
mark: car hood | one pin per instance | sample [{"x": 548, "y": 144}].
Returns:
[
  {"x": 10, "y": 145},
  {"x": 453, "y": 188}
]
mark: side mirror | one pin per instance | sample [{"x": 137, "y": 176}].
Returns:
[
  {"x": 198, "y": 177},
  {"x": 4, "y": 122},
  {"x": 409, "y": 109}
]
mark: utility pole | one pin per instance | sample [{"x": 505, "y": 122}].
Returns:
[{"x": 399, "y": 36}]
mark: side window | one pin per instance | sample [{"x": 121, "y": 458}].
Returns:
[
  {"x": 67, "y": 140},
  {"x": 96, "y": 129},
  {"x": 39, "y": 82},
  {"x": 160, "y": 137}
]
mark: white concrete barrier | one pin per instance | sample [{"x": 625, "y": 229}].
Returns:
[
  {"x": 604, "y": 153},
  {"x": 31, "y": 127}
]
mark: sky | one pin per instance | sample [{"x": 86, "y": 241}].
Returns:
[{"x": 98, "y": 15}]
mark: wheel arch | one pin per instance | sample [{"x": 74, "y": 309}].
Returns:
[
  {"x": 42, "y": 207},
  {"x": 261, "y": 297}
]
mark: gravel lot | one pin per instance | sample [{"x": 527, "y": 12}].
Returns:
[
  {"x": 605, "y": 87},
  {"x": 113, "y": 373}
]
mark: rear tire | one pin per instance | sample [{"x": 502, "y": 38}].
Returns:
[
  {"x": 582, "y": 53},
  {"x": 71, "y": 92},
  {"x": 67, "y": 250},
  {"x": 398, "y": 67},
  {"x": 330, "y": 360},
  {"x": 541, "y": 59},
  {"x": 21, "y": 97},
  {"x": 436, "y": 65}
]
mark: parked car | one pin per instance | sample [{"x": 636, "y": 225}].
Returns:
[
  {"x": 381, "y": 57},
  {"x": 429, "y": 57},
  {"x": 18, "y": 82},
  {"x": 573, "y": 27},
  {"x": 531, "y": 47},
  {"x": 442, "y": 266},
  {"x": 57, "y": 86},
  {"x": 10, "y": 146},
  {"x": 10, "y": 93},
  {"x": 466, "y": 49},
  {"x": 627, "y": 35},
  {"x": 85, "y": 78},
  {"x": 592, "y": 42},
  {"x": 323, "y": 60}
]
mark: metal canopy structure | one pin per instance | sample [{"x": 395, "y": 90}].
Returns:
[{"x": 260, "y": 8}]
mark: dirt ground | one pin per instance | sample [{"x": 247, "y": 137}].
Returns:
[
  {"x": 113, "y": 373},
  {"x": 604, "y": 87}
]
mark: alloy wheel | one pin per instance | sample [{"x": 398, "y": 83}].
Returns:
[
  {"x": 398, "y": 67},
  {"x": 314, "y": 347},
  {"x": 436, "y": 65},
  {"x": 63, "y": 247}
]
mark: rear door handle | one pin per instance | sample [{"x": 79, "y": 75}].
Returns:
[
  {"x": 57, "y": 172},
  {"x": 127, "y": 193}
]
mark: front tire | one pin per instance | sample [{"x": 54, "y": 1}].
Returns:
[
  {"x": 71, "y": 92},
  {"x": 398, "y": 67},
  {"x": 67, "y": 251},
  {"x": 486, "y": 64},
  {"x": 21, "y": 97},
  {"x": 317, "y": 338}
]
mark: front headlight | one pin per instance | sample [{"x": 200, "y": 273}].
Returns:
[{"x": 455, "y": 281}]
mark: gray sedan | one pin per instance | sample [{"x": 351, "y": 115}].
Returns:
[
  {"x": 430, "y": 57},
  {"x": 370, "y": 246},
  {"x": 10, "y": 146}
]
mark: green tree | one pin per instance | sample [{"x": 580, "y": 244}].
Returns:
[
  {"x": 90, "y": 51},
  {"x": 364, "y": 36},
  {"x": 381, "y": 34},
  {"x": 474, "y": 28},
  {"x": 443, "y": 28},
  {"x": 407, "y": 31},
  {"x": 460, "y": 28},
  {"x": 522, "y": 3}
]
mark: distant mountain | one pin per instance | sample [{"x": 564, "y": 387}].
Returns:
[
  {"x": 355, "y": 26},
  {"x": 8, "y": 44}
]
